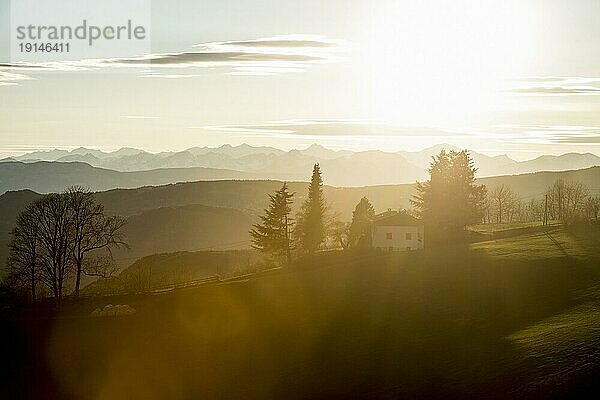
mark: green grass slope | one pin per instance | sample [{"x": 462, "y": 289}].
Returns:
[{"x": 450, "y": 323}]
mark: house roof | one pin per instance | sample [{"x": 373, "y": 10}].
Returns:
[{"x": 396, "y": 219}]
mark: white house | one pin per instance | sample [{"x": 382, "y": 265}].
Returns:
[{"x": 397, "y": 231}]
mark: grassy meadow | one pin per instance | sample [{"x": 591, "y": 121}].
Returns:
[{"x": 503, "y": 318}]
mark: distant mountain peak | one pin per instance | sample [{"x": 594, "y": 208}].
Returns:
[
  {"x": 443, "y": 146},
  {"x": 319, "y": 151},
  {"x": 344, "y": 165},
  {"x": 503, "y": 158},
  {"x": 127, "y": 150}
]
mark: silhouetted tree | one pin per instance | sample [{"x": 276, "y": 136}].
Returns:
[
  {"x": 92, "y": 231},
  {"x": 575, "y": 195},
  {"x": 311, "y": 221},
  {"x": 592, "y": 208},
  {"x": 566, "y": 200},
  {"x": 501, "y": 200},
  {"x": 360, "y": 227},
  {"x": 272, "y": 235},
  {"x": 23, "y": 259},
  {"x": 556, "y": 200},
  {"x": 55, "y": 239},
  {"x": 63, "y": 235},
  {"x": 534, "y": 210},
  {"x": 340, "y": 232},
  {"x": 450, "y": 199}
]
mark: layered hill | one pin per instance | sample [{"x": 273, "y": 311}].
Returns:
[
  {"x": 218, "y": 214},
  {"x": 343, "y": 168},
  {"x": 46, "y": 176}
]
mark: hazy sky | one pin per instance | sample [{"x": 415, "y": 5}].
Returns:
[{"x": 515, "y": 77}]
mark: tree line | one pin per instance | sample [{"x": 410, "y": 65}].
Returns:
[
  {"x": 61, "y": 237},
  {"x": 58, "y": 239},
  {"x": 447, "y": 203},
  {"x": 279, "y": 235},
  {"x": 567, "y": 201}
]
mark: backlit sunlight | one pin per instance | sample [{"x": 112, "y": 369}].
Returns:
[{"x": 431, "y": 62}]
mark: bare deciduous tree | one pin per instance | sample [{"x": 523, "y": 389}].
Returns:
[
  {"x": 556, "y": 200},
  {"x": 566, "y": 200},
  {"x": 60, "y": 236},
  {"x": 23, "y": 260},
  {"x": 575, "y": 194},
  {"x": 54, "y": 237},
  {"x": 501, "y": 202},
  {"x": 592, "y": 208},
  {"x": 534, "y": 210},
  {"x": 92, "y": 231}
]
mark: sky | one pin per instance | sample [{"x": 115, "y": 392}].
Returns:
[{"x": 500, "y": 77}]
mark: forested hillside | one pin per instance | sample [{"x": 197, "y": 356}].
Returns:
[{"x": 217, "y": 214}]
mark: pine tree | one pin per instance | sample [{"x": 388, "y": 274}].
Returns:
[
  {"x": 310, "y": 229},
  {"x": 272, "y": 236},
  {"x": 362, "y": 216},
  {"x": 450, "y": 199}
]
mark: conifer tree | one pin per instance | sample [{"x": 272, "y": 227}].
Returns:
[
  {"x": 450, "y": 199},
  {"x": 362, "y": 217},
  {"x": 272, "y": 235},
  {"x": 311, "y": 228}
]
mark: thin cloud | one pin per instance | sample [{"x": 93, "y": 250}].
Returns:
[
  {"x": 139, "y": 116},
  {"x": 336, "y": 128},
  {"x": 555, "y": 86},
  {"x": 264, "y": 70},
  {"x": 266, "y": 56},
  {"x": 168, "y": 76},
  {"x": 280, "y": 43},
  {"x": 543, "y": 79},
  {"x": 245, "y": 130},
  {"x": 544, "y": 134},
  {"x": 557, "y": 90},
  {"x": 579, "y": 140},
  {"x": 211, "y": 58},
  {"x": 286, "y": 43},
  {"x": 12, "y": 79}
]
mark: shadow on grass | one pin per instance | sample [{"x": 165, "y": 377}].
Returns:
[{"x": 336, "y": 325}]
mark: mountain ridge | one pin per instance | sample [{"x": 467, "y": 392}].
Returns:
[{"x": 264, "y": 160}]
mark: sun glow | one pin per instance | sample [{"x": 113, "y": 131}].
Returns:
[{"x": 435, "y": 62}]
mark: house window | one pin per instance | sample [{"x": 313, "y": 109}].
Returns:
[
  {"x": 388, "y": 235},
  {"x": 408, "y": 236}
]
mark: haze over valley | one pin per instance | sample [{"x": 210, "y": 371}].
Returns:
[{"x": 128, "y": 167}]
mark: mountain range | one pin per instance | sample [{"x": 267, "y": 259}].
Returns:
[{"x": 341, "y": 168}]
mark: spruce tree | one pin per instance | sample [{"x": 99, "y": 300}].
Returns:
[
  {"x": 450, "y": 199},
  {"x": 362, "y": 217},
  {"x": 272, "y": 235},
  {"x": 310, "y": 229}
]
